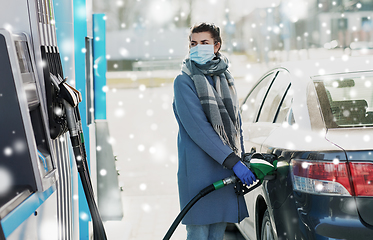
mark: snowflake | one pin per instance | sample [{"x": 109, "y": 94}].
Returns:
[
  {"x": 146, "y": 207},
  {"x": 103, "y": 172},
  {"x": 141, "y": 148},
  {"x": 84, "y": 216},
  {"x": 142, "y": 186},
  {"x": 5, "y": 180},
  {"x": 8, "y": 151}
]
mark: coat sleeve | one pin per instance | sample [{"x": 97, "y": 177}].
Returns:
[{"x": 189, "y": 110}]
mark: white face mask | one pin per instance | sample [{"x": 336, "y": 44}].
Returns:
[{"x": 201, "y": 54}]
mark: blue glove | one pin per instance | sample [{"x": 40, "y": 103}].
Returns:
[{"x": 244, "y": 173}]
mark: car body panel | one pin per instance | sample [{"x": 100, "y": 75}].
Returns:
[
  {"x": 293, "y": 138},
  {"x": 248, "y": 225},
  {"x": 256, "y": 133},
  {"x": 365, "y": 209},
  {"x": 323, "y": 217},
  {"x": 352, "y": 138}
]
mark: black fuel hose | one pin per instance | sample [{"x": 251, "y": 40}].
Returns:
[
  {"x": 98, "y": 227},
  {"x": 215, "y": 186},
  {"x": 78, "y": 147}
]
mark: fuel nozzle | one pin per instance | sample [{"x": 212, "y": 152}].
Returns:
[{"x": 263, "y": 165}]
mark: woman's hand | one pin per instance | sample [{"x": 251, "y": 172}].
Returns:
[{"x": 244, "y": 173}]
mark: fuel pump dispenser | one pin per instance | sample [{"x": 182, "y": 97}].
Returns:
[
  {"x": 29, "y": 163},
  {"x": 28, "y": 158},
  {"x": 38, "y": 111}
]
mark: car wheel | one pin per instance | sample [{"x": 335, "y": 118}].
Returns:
[{"x": 267, "y": 232}]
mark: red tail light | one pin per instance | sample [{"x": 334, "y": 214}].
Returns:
[
  {"x": 318, "y": 177},
  {"x": 333, "y": 178},
  {"x": 362, "y": 178}
]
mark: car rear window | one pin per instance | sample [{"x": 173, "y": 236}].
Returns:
[{"x": 346, "y": 100}]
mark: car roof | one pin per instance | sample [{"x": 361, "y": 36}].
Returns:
[
  {"x": 302, "y": 72},
  {"x": 320, "y": 67}
]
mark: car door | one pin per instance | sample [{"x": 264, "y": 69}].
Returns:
[
  {"x": 275, "y": 108},
  {"x": 249, "y": 112},
  {"x": 262, "y": 111},
  {"x": 261, "y": 107}
]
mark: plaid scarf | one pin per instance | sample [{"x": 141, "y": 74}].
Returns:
[{"x": 219, "y": 104}]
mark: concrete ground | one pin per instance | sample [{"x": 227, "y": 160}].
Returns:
[{"x": 143, "y": 134}]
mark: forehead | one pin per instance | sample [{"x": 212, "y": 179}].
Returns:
[{"x": 201, "y": 36}]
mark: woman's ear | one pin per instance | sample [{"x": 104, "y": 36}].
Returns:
[{"x": 216, "y": 47}]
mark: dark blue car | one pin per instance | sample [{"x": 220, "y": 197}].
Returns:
[{"x": 318, "y": 117}]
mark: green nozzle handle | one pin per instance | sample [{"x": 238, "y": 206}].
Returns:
[{"x": 224, "y": 182}]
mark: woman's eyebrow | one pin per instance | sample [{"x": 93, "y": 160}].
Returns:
[{"x": 202, "y": 41}]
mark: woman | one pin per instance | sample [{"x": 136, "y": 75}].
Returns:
[{"x": 210, "y": 140}]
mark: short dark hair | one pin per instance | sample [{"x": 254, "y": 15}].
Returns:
[{"x": 207, "y": 27}]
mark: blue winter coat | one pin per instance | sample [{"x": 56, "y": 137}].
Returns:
[{"x": 201, "y": 155}]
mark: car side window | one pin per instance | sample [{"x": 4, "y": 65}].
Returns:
[
  {"x": 254, "y": 99},
  {"x": 283, "y": 114},
  {"x": 274, "y": 97}
]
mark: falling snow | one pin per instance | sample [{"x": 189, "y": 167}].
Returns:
[
  {"x": 141, "y": 148},
  {"x": 146, "y": 208},
  {"x": 119, "y": 112},
  {"x": 58, "y": 111},
  {"x": 6, "y": 180},
  {"x": 103, "y": 172},
  {"x": 142, "y": 125},
  {"x": 142, "y": 186},
  {"x": 8, "y": 151},
  {"x": 84, "y": 216},
  {"x": 308, "y": 139},
  {"x": 19, "y": 146}
]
